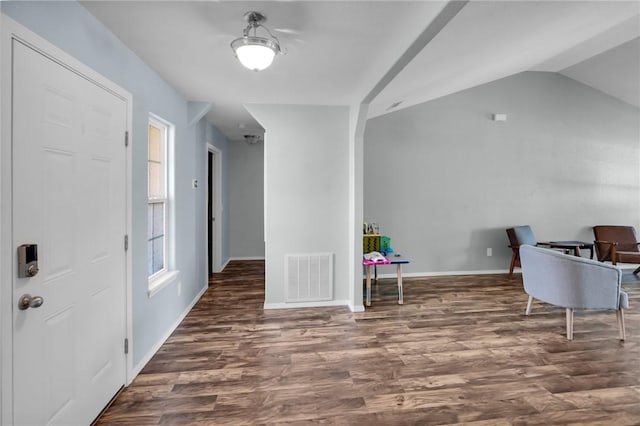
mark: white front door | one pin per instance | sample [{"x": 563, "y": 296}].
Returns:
[{"x": 69, "y": 198}]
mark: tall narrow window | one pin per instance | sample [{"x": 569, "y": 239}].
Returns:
[{"x": 157, "y": 198}]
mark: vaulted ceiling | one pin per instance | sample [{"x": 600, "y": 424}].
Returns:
[{"x": 337, "y": 51}]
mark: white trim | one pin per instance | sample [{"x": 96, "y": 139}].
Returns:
[
  {"x": 6, "y": 267},
  {"x": 246, "y": 258},
  {"x": 169, "y": 250},
  {"x": 129, "y": 252},
  {"x": 225, "y": 264},
  {"x": 357, "y": 125},
  {"x": 160, "y": 281},
  {"x": 443, "y": 273},
  {"x": 218, "y": 209},
  {"x": 359, "y": 308},
  {"x": 628, "y": 267},
  {"x": 138, "y": 368},
  {"x": 295, "y": 305},
  {"x": 10, "y": 30}
]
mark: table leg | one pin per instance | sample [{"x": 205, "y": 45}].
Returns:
[
  {"x": 368, "y": 269},
  {"x": 577, "y": 251},
  {"x": 399, "y": 272}
]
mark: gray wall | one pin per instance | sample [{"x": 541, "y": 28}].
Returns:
[
  {"x": 246, "y": 164},
  {"x": 444, "y": 180},
  {"x": 306, "y": 190},
  {"x": 70, "y": 27}
]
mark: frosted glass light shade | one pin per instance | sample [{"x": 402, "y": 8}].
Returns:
[{"x": 255, "y": 53}]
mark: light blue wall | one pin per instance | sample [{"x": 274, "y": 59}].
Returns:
[
  {"x": 219, "y": 140},
  {"x": 72, "y": 28}
]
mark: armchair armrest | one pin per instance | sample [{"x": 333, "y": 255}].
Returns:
[{"x": 606, "y": 242}]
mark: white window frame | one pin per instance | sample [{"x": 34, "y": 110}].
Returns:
[{"x": 168, "y": 273}]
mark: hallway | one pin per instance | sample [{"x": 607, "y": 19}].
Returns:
[{"x": 459, "y": 350}]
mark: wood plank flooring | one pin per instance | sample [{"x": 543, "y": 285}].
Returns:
[{"x": 460, "y": 350}]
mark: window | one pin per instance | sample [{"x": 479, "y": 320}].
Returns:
[{"x": 158, "y": 208}]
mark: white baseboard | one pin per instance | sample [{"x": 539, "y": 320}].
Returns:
[
  {"x": 321, "y": 304},
  {"x": 138, "y": 368},
  {"x": 247, "y": 258},
  {"x": 354, "y": 308},
  {"x": 224, "y": 265},
  {"x": 628, "y": 266},
  {"x": 444, "y": 273}
]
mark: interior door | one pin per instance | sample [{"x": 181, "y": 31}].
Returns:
[
  {"x": 69, "y": 198},
  {"x": 211, "y": 225}
]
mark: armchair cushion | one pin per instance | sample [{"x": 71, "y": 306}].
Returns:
[
  {"x": 520, "y": 235},
  {"x": 627, "y": 257}
]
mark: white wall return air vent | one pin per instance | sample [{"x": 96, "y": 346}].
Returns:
[{"x": 308, "y": 277}]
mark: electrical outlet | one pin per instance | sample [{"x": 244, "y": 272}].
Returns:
[
  {"x": 194, "y": 183},
  {"x": 489, "y": 251}
]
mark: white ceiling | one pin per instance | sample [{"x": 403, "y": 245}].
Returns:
[
  {"x": 620, "y": 65},
  {"x": 338, "y": 50}
]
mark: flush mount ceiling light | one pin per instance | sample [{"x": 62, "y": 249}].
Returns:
[{"x": 254, "y": 52}]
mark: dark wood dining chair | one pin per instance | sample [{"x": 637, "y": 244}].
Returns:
[{"x": 617, "y": 244}]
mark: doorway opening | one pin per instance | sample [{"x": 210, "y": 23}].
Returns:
[
  {"x": 213, "y": 209},
  {"x": 210, "y": 216}
]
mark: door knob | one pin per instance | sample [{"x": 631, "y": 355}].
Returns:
[{"x": 27, "y": 301}]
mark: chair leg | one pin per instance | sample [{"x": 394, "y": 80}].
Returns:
[
  {"x": 529, "y": 305},
  {"x": 569, "y": 324},
  {"x": 621, "y": 329},
  {"x": 514, "y": 259}
]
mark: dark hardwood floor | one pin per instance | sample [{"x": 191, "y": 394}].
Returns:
[{"x": 459, "y": 351}]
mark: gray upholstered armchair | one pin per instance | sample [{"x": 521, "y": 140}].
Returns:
[{"x": 572, "y": 283}]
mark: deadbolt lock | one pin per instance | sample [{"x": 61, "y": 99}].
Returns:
[{"x": 28, "y": 260}]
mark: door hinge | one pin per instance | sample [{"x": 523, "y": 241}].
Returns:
[
  {"x": 126, "y": 346},
  {"x": 126, "y": 138},
  {"x": 126, "y": 242}
]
